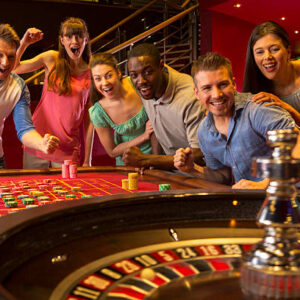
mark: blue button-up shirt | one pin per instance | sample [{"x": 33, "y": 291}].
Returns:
[{"x": 246, "y": 138}]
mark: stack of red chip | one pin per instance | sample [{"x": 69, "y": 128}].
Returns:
[
  {"x": 73, "y": 171},
  {"x": 65, "y": 169},
  {"x": 69, "y": 169}
]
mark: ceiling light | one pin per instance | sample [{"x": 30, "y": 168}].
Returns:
[
  {"x": 296, "y": 31},
  {"x": 282, "y": 18},
  {"x": 237, "y": 5}
]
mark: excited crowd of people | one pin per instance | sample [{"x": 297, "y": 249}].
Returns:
[{"x": 155, "y": 117}]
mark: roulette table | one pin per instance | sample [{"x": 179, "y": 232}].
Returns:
[{"x": 185, "y": 243}]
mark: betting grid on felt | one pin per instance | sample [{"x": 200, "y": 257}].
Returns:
[{"x": 94, "y": 184}]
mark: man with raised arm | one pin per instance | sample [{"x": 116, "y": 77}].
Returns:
[
  {"x": 171, "y": 105},
  {"x": 14, "y": 97},
  {"x": 234, "y": 130}
]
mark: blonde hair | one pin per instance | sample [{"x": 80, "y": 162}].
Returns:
[{"x": 8, "y": 34}]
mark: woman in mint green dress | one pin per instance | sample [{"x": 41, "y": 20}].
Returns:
[{"x": 117, "y": 113}]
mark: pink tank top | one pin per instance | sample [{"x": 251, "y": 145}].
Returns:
[{"x": 62, "y": 116}]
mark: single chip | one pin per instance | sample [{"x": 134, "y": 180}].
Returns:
[
  {"x": 36, "y": 193},
  {"x": 31, "y": 206},
  {"x": 57, "y": 187},
  {"x": 70, "y": 196},
  {"x": 125, "y": 183},
  {"x": 164, "y": 187},
  {"x": 62, "y": 192},
  {"x": 28, "y": 201},
  {"x": 26, "y": 187},
  {"x": 75, "y": 188},
  {"x": 43, "y": 198},
  {"x": 44, "y": 202},
  {"x": 86, "y": 196},
  {"x": 8, "y": 198},
  {"x": 43, "y": 187},
  {"x": 22, "y": 196},
  {"x": 10, "y": 204},
  {"x": 5, "y": 194}
]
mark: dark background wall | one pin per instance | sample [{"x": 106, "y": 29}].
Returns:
[{"x": 47, "y": 16}]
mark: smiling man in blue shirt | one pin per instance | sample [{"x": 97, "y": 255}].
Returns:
[{"x": 234, "y": 130}]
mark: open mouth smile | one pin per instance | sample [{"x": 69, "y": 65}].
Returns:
[
  {"x": 269, "y": 67},
  {"x": 75, "y": 51},
  {"x": 217, "y": 103}
]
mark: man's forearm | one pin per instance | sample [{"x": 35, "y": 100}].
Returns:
[
  {"x": 222, "y": 176},
  {"x": 164, "y": 162},
  {"x": 32, "y": 139}
]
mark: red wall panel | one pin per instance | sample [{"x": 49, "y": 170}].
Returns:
[{"x": 230, "y": 38}]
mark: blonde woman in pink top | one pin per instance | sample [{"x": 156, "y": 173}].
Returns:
[{"x": 64, "y": 104}]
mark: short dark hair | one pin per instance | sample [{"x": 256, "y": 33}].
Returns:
[
  {"x": 211, "y": 61},
  {"x": 254, "y": 80},
  {"x": 8, "y": 34},
  {"x": 145, "y": 49}
]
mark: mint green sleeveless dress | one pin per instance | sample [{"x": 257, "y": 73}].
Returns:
[{"x": 123, "y": 132}]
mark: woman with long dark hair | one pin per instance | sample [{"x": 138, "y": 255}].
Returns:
[{"x": 270, "y": 73}]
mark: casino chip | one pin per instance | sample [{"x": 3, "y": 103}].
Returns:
[
  {"x": 43, "y": 198},
  {"x": 164, "y": 187},
  {"x": 86, "y": 196},
  {"x": 70, "y": 196},
  {"x": 5, "y": 194},
  {"x": 28, "y": 201},
  {"x": 31, "y": 206},
  {"x": 133, "y": 181},
  {"x": 42, "y": 187},
  {"x": 10, "y": 204},
  {"x": 36, "y": 193},
  {"x": 61, "y": 192},
  {"x": 8, "y": 198},
  {"x": 57, "y": 187},
  {"x": 125, "y": 183},
  {"x": 44, "y": 202},
  {"x": 75, "y": 188},
  {"x": 22, "y": 196}
]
